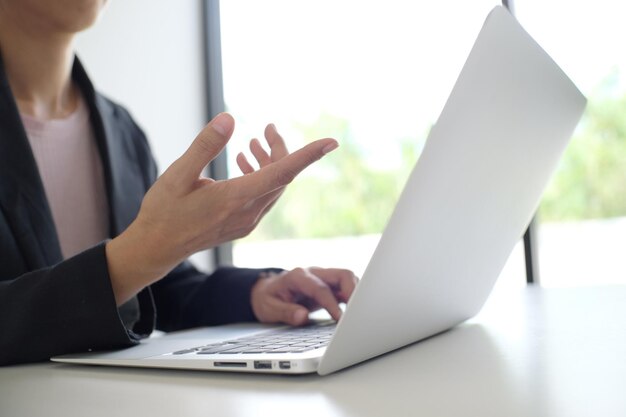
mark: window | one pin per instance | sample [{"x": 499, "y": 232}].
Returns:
[
  {"x": 582, "y": 218},
  {"x": 373, "y": 75}
]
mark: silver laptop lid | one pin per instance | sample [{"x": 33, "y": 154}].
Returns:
[{"x": 469, "y": 198}]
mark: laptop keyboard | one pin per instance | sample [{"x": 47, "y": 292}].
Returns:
[{"x": 287, "y": 340}]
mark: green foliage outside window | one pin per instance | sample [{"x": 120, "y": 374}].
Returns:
[
  {"x": 347, "y": 198},
  {"x": 351, "y": 198},
  {"x": 591, "y": 180}
]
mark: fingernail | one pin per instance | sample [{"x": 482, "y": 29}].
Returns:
[
  {"x": 300, "y": 316},
  {"x": 330, "y": 147},
  {"x": 222, "y": 124}
]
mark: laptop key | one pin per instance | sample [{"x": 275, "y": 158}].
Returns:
[
  {"x": 215, "y": 349},
  {"x": 282, "y": 350},
  {"x": 184, "y": 351}
]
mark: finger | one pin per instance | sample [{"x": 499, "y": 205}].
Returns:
[
  {"x": 342, "y": 280},
  {"x": 243, "y": 164},
  {"x": 276, "y": 142},
  {"x": 283, "y": 172},
  {"x": 205, "y": 147},
  {"x": 305, "y": 283},
  {"x": 286, "y": 312},
  {"x": 259, "y": 153}
]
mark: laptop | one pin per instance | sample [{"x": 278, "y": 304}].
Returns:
[{"x": 466, "y": 204}]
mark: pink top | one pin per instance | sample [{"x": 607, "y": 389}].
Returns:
[{"x": 71, "y": 170}]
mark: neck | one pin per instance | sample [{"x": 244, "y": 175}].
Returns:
[{"x": 39, "y": 69}]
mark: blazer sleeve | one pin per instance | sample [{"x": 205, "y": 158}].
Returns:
[
  {"x": 65, "y": 308},
  {"x": 189, "y": 298}
]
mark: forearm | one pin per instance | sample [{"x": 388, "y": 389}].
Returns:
[
  {"x": 138, "y": 258},
  {"x": 189, "y": 298}
]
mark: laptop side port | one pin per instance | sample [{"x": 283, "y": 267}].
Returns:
[
  {"x": 262, "y": 364},
  {"x": 284, "y": 365},
  {"x": 229, "y": 364}
]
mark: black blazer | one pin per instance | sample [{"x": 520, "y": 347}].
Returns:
[{"x": 50, "y": 305}]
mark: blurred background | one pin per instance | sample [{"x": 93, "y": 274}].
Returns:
[{"x": 374, "y": 76}]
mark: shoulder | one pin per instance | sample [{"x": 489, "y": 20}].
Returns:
[
  {"x": 124, "y": 134},
  {"x": 124, "y": 137},
  {"x": 119, "y": 117}
]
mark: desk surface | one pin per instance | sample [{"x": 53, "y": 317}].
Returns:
[{"x": 538, "y": 352}]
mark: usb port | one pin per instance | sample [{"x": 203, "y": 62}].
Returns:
[
  {"x": 284, "y": 365},
  {"x": 262, "y": 364}
]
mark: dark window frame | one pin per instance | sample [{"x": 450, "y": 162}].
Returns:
[{"x": 218, "y": 169}]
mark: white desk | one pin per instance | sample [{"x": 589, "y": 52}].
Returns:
[{"x": 535, "y": 353}]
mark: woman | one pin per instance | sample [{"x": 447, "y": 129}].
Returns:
[{"x": 88, "y": 262}]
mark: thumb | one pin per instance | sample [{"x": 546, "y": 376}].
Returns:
[
  {"x": 205, "y": 147},
  {"x": 290, "y": 313}
]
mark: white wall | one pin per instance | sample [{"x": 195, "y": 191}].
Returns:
[{"x": 148, "y": 55}]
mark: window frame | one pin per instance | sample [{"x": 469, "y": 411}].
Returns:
[{"x": 218, "y": 168}]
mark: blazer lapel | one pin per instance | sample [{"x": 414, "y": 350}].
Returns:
[
  {"x": 124, "y": 195},
  {"x": 22, "y": 196}
]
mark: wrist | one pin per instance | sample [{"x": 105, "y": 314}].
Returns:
[
  {"x": 258, "y": 292},
  {"x": 135, "y": 260}
]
